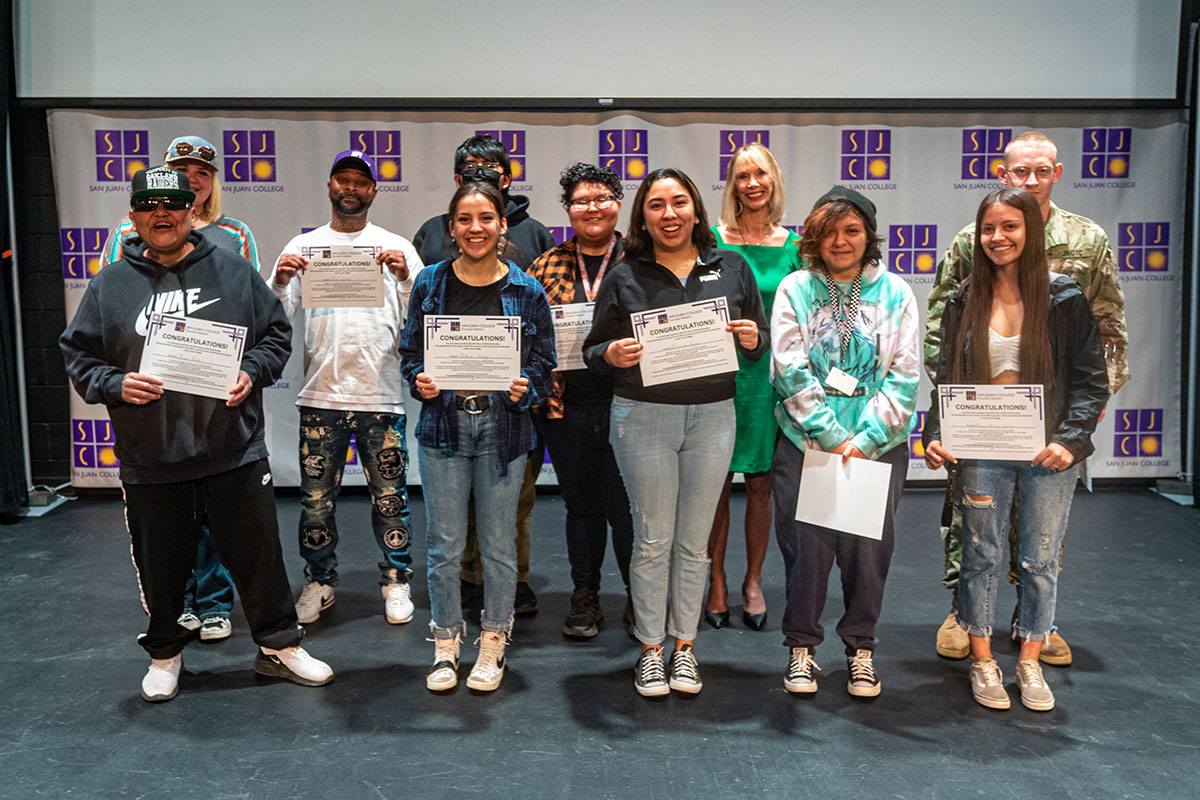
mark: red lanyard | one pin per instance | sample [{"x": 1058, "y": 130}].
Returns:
[{"x": 589, "y": 288}]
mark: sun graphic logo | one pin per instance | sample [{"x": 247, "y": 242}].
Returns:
[
  {"x": 731, "y": 140},
  {"x": 81, "y": 249},
  {"x": 866, "y": 154},
  {"x": 916, "y": 450},
  {"x": 249, "y": 156},
  {"x": 514, "y": 144},
  {"x": 119, "y": 154},
  {"x": 1106, "y": 153},
  {"x": 983, "y": 152},
  {"x": 1138, "y": 433},
  {"x": 92, "y": 443},
  {"x": 626, "y": 152},
  {"x": 1143, "y": 246},
  {"x": 912, "y": 249},
  {"x": 384, "y": 149}
]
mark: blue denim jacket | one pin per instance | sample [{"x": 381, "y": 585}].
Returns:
[{"x": 521, "y": 296}]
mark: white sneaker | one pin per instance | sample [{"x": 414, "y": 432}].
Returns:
[
  {"x": 987, "y": 684},
  {"x": 1035, "y": 694},
  {"x": 314, "y": 598},
  {"x": 397, "y": 603},
  {"x": 214, "y": 628},
  {"x": 292, "y": 664},
  {"x": 162, "y": 679},
  {"x": 443, "y": 675},
  {"x": 188, "y": 620},
  {"x": 489, "y": 667}
]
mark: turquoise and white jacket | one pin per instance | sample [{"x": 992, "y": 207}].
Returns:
[{"x": 884, "y": 355}]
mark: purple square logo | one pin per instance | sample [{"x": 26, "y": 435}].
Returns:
[
  {"x": 1138, "y": 433},
  {"x": 120, "y": 153},
  {"x": 81, "y": 250},
  {"x": 983, "y": 152},
  {"x": 513, "y": 141},
  {"x": 1107, "y": 153},
  {"x": 912, "y": 249},
  {"x": 1143, "y": 246},
  {"x": 866, "y": 154},
  {"x": 626, "y": 152},
  {"x": 249, "y": 156},
  {"x": 731, "y": 140},
  {"x": 92, "y": 444}
]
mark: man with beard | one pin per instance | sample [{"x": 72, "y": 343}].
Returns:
[{"x": 352, "y": 385}]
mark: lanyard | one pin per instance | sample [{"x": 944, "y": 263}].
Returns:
[
  {"x": 844, "y": 315},
  {"x": 589, "y": 288}
]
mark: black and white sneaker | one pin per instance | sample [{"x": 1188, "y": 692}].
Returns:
[
  {"x": 863, "y": 681},
  {"x": 685, "y": 673},
  {"x": 800, "y": 678},
  {"x": 650, "y": 674}
]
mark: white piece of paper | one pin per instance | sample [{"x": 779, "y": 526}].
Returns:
[
  {"x": 851, "y": 498},
  {"x": 473, "y": 352},
  {"x": 346, "y": 278},
  {"x": 842, "y": 381},
  {"x": 193, "y": 356},
  {"x": 685, "y": 341},
  {"x": 572, "y": 321},
  {"x": 1000, "y": 423}
]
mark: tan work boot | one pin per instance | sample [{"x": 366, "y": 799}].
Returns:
[
  {"x": 952, "y": 641},
  {"x": 1055, "y": 651}
]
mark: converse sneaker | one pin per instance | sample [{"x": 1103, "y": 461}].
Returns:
[
  {"x": 1035, "y": 694},
  {"x": 800, "y": 678},
  {"x": 188, "y": 620},
  {"x": 863, "y": 682},
  {"x": 987, "y": 684},
  {"x": 292, "y": 664},
  {"x": 161, "y": 682},
  {"x": 952, "y": 641},
  {"x": 489, "y": 666},
  {"x": 443, "y": 675},
  {"x": 397, "y": 603},
  {"x": 650, "y": 675},
  {"x": 584, "y": 618},
  {"x": 214, "y": 628},
  {"x": 314, "y": 598},
  {"x": 685, "y": 673}
]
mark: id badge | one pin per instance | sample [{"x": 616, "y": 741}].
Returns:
[{"x": 843, "y": 382}]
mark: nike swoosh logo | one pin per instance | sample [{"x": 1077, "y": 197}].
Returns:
[{"x": 199, "y": 306}]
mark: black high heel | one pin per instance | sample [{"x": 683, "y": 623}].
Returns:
[
  {"x": 755, "y": 621},
  {"x": 718, "y": 619}
]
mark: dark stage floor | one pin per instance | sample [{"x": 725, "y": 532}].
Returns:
[{"x": 566, "y": 721}]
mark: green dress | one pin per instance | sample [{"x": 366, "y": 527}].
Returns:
[{"x": 755, "y": 399}]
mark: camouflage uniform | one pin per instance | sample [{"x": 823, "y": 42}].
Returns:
[{"x": 1075, "y": 246}]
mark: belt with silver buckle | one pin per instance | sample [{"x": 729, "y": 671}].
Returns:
[{"x": 472, "y": 403}]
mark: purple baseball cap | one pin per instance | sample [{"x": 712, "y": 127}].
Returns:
[{"x": 354, "y": 159}]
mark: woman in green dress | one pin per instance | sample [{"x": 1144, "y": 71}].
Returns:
[{"x": 751, "y": 209}]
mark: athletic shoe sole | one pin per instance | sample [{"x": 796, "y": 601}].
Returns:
[
  {"x": 800, "y": 688},
  {"x": 1032, "y": 706},
  {"x": 686, "y": 687},
  {"x": 864, "y": 691},
  {"x": 481, "y": 685},
  {"x": 394, "y": 621},
  {"x": 580, "y": 633},
  {"x": 999, "y": 705},
  {"x": 653, "y": 691},
  {"x": 443, "y": 685},
  {"x": 215, "y": 635},
  {"x": 160, "y": 698},
  {"x": 265, "y": 666},
  {"x": 324, "y": 607}
]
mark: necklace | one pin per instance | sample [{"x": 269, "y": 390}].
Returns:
[
  {"x": 589, "y": 288},
  {"x": 748, "y": 243}
]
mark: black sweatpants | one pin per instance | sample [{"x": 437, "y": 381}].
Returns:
[
  {"x": 809, "y": 552},
  {"x": 240, "y": 504}
]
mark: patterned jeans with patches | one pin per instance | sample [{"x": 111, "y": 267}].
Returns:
[{"x": 324, "y": 442}]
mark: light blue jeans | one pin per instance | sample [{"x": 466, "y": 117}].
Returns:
[
  {"x": 984, "y": 495},
  {"x": 674, "y": 460},
  {"x": 446, "y": 482}
]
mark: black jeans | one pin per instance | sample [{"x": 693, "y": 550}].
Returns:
[
  {"x": 592, "y": 490},
  {"x": 809, "y": 552},
  {"x": 240, "y": 503}
]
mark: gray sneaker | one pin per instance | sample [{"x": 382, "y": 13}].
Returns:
[
  {"x": 1035, "y": 694},
  {"x": 987, "y": 684}
]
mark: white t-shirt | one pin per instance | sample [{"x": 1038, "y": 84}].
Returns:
[{"x": 350, "y": 354}]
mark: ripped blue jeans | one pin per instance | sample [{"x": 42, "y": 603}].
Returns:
[{"x": 984, "y": 495}]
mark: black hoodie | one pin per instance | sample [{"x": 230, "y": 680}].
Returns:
[
  {"x": 179, "y": 436},
  {"x": 526, "y": 234}
]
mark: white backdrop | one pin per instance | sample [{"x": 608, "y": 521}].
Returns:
[{"x": 925, "y": 172}]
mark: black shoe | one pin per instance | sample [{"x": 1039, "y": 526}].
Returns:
[
  {"x": 584, "y": 619},
  {"x": 718, "y": 619},
  {"x": 754, "y": 621},
  {"x": 526, "y": 601},
  {"x": 471, "y": 593}
]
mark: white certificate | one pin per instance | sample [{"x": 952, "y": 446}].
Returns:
[
  {"x": 1001, "y": 423},
  {"x": 685, "y": 341},
  {"x": 850, "y": 497},
  {"x": 193, "y": 356},
  {"x": 473, "y": 352},
  {"x": 345, "y": 278},
  {"x": 571, "y": 325}
]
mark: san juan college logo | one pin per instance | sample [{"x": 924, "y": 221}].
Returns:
[
  {"x": 1143, "y": 246},
  {"x": 866, "y": 154},
  {"x": 626, "y": 152},
  {"x": 384, "y": 149},
  {"x": 249, "y": 156},
  {"x": 916, "y": 450},
  {"x": 81, "y": 249},
  {"x": 92, "y": 444},
  {"x": 1106, "y": 153},
  {"x": 514, "y": 143},
  {"x": 1139, "y": 433},
  {"x": 731, "y": 140},
  {"x": 119, "y": 154},
  {"x": 983, "y": 152},
  {"x": 912, "y": 249}
]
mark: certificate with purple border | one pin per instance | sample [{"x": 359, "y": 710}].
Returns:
[
  {"x": 685, "y": 341},
  {"x": 473, "y": 352},
  {"x": 193, "y": 356},
  {"x": 999, "y": 423}
]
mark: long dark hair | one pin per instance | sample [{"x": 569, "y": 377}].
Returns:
[
  {"x": 638, "y": 243},
  {"x": 505, "y": 249},
  {"x": 1033, "y": 280}
]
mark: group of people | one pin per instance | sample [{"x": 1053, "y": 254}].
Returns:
[{"x": 828, "y": 353}]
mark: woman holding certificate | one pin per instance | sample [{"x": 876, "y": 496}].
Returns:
[
  {"x": 1014, "y": 323},
  {"x": 751, "y": 209},
  {"x": 844, "y": 349},
  {"x": 669, "y": 322},
  {"x": 474, "y": 438}
]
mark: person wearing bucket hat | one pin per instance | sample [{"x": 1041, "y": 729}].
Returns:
[
  {"x": 845, "y": 364},
  {"x": 185, "y": 456},
  {"x": 209, "y": 597}
]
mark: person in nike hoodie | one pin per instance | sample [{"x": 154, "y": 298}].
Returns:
[{"x": 183, "y": 455}]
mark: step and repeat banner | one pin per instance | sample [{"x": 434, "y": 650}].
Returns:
[{"x": 926, "y": 173}]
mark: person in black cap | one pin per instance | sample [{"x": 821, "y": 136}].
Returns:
[
  {"x": 184, "y": 456},
  {"x": 845, "y": 364}
]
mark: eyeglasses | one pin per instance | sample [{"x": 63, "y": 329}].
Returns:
[
  {"x": 492, "y": 165},
  {"x": 599, "y": 201},
  {"x": 152, "y": 203},
  {"x": 1023, "y": 173}
]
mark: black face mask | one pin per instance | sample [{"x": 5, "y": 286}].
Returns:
[{"x": 480, "y": 175}]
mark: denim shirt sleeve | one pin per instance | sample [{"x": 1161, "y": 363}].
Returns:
[{"x": 537, "y": 345}]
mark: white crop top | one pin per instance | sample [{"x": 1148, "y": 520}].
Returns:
[{"x": 1005, "y": 352}]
